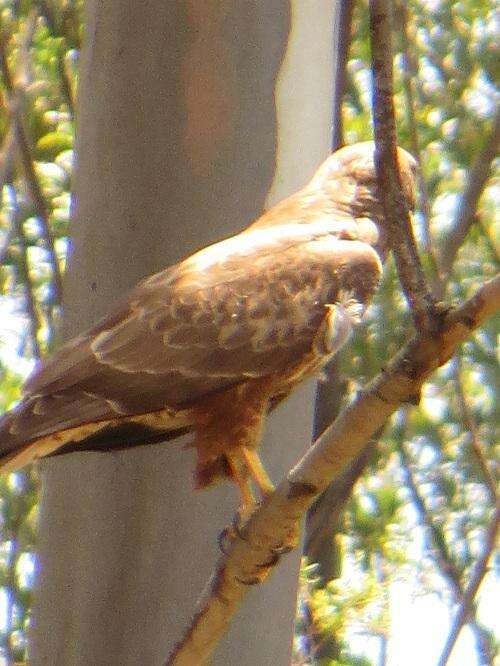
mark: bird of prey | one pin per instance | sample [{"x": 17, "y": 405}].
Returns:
[{"x": 212, "y": 344}]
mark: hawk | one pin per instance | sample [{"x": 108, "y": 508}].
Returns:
[{"x": 212, "y": 344}]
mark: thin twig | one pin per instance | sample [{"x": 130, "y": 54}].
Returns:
[
  {"x": 252, "y": 553},
  {"x": 24, "y": 278},
  {"x": 5, "y": 246},
  {"x": 326, "y": 511},
  {"x": 66, "y": 85},
  {"x": 343, "y": 31},
  {"x": 394, "y": 206},
  {"x": 467, "y": 207},
  {"x": 478, "y": 573},
  {"x": 409, "y": 72},
  {"x": 7, "y": 158},
  {"x": 23, "y": 75},
  {"x": 11, "y": 585},
  {"x": 446, "y": 70},
  {"x": 471, "y": 427},
  {"x": 439, "y": 549},
  {"x": 14, "y": 103}
]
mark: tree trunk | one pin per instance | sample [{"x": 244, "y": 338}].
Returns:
[
  {"x": 178, "y": 146},
  {"x": 324, "y": 519}
]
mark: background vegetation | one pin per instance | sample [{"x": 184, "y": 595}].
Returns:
[{"x": 421, "y": 513}]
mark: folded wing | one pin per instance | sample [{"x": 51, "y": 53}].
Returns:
[{"x": 244, "y": 308}]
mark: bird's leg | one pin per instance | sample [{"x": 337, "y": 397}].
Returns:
[
  {"x": 246, "y": 465},
  {"x": 241, "y": 477},
  {"x": 257, "y": 471},
  {"x": 266, "y": 487},
  {"x": 228, "y": 432}
]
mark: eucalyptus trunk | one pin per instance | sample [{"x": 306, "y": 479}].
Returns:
[{"x": 192, "y": 118}]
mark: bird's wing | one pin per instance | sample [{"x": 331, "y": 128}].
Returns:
[{"x": 244, "y": 308}]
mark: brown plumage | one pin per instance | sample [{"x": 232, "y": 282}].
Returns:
[{"x": 211, "y": 344}]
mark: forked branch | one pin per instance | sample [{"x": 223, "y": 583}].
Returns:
[
  {"x": 14, "y": 105},
  {"x": 477, "y": 575},
  {"x": 252, "y": 554},
  {"x": 396, "y": 215},
  {"x": 467, "y": 209}
]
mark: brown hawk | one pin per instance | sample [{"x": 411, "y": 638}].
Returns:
[{"x": 211, "y": 344}]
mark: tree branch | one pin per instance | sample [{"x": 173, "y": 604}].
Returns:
[
  {"x": 325, "y": 513},
  {"x": 6, "y": 161},
  {"x": 343, "y": 30},
  {"x": 439, "y": 550},
  {"x": 252, "y": 553},
  {"x": 478, "y": 573},
  {"x": 66, "y": 85},
  {"x": 396, "y": 215},
  {"x": 467, "y": 208},
  {"x": 6, "y": 157},
  {"x": 28, "y": 163},
  {"x": 24, "y": 278},
  {"x": 471, "y": 428},
  {"x": 409, "y": 72}
]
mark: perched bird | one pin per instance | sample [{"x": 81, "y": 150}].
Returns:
[{"x": 211, "y": 344}]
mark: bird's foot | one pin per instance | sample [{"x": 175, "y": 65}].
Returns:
[
  {"x": 271, "y": 554},
  {"x": 263, "y": 569},
  {"x": 261, "y": 479},
  {"x": 235, "y": 529}
]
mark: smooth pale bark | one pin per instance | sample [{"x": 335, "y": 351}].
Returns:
[{"x": 178, "y": 146}]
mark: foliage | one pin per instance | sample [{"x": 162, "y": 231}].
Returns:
[
  {"x": 39, "y": 48},
  {"x": 421, "y": 510},
  {"x": 433, "y": 482}
]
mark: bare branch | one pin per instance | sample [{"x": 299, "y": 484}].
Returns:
[
  {"x": 252, "y": 553},
  {"x": 467, "y": 208},
  {"x": 326, "y": 511},
  {"x": 5, "y": 246},
  {"x": 6, "y": 157},
  {"x": 343, "y": 31},
  {"x": 478, "y": 573},
  {"x": 396, "y": 213},
  {"x": 10, "y": 583},
  {"x": 439, "y": 549},
  {"x": 28, "y": 163},
  {"x": 16, "y": 228},
  {"x": 66, "y": 86},
  {"x": 324, "y": 514},
  {"x": 471, "y": 428},
  {"x": 24, "y": 276},
  {"x": 409, "y": 71}
]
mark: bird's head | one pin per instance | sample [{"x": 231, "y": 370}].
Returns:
[
  {"x": 343, "y": 193},
  {"x": 349, "y": 179}
]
